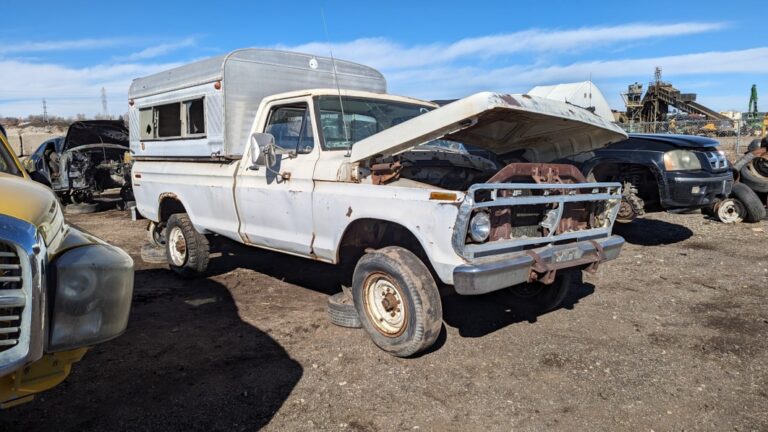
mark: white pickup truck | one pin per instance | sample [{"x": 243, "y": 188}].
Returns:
[{"x": 309, "y": 156}]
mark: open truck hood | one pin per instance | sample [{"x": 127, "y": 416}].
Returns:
[
  {"x": 541, "y": 130},
  {"x": 95, "y": 132}
]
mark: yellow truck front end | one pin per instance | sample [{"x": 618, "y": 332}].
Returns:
[{"x": 61, "y": 290}]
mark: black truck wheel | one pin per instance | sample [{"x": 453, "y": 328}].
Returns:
[
  {"x": 754, "y": 209},
  {"x": 397, "y": 301},
  {"x": 187, "y": 250},
  {"x": 541, "y": 298},
  {"x": 342, "y": 312}
]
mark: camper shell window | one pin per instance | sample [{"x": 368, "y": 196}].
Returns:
[
  {"x": 168, "y": 120},
  {"x": 184, "y": 119},
  {"x": 195, "y": 117}
]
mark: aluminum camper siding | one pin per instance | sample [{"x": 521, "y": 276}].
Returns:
[{"x": 247, "y": 76}]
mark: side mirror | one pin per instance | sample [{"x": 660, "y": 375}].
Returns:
[{"x": 263, "y": 150}]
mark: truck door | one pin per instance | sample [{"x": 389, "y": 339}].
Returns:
[{"x": 275, "y": 204}]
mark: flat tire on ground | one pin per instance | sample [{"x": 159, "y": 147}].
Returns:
[
  {"x": 187, "y": 251},
  {"x": 730, "y": 210},
  {"x": 397, "y": 301},
  {"x": 81, "y": 208},
  {"x": 753, "y": 207},
  {"x": 153, "y": 254},
  {"x": 342, "y": 312}
]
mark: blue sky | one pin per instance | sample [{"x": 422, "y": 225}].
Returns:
[{"x": 66, "y": 52}]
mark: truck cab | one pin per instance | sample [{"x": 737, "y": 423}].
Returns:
[{"x": 405, "y": 193}]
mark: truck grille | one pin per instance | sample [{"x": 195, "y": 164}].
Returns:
[
  {"x": 12, "y": 297},
  {"x": 528, "y": 215},
  {"x": 716, "y": 160}
]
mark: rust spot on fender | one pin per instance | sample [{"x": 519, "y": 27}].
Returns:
[
  {"x": 349, "y": 212},
  {"x": 312, "y": 247}
]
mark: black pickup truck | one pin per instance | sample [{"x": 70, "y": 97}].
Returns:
[{"x": 676, "y": 173}]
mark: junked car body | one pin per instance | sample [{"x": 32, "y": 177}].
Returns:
[
  {"x": 326, "y": 165},
  {"x": 91, "y": 158},
  {"x": 661, "y": 172},
  {"x": 61, "y": 290}
]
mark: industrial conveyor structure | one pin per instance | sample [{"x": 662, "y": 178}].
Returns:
[{"x": 661, "y": 95}]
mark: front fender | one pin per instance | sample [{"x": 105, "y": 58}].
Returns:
[{"x": 337, "y": 205}]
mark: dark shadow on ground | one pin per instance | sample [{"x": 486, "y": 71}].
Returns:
[
  {"x": 186, "y": 362},
  {"x": 314, "y": 275},
  {"x": 652, "y": 232},
  {"x": 476, "y": 316}
]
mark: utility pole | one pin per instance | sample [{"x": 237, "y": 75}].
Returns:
[
  {"x": 104, "y": 103},
  {"x": 45, "y": 112}
]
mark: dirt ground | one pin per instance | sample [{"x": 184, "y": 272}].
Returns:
[{"x": 671, "y": 336}]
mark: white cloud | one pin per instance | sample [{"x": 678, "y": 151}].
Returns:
[
  {"x": 160, "y": 50},
  {"x": 386, "y": 54},
  {"x": 7, "y": 47},
  {"x": 456, "y": 81},
  {"x": 68, "y": 90}
]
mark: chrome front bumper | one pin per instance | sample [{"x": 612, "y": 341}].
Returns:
[{"x": 492, "y": 275}]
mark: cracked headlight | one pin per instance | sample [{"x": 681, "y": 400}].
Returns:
[
  {"x": 92, "y": 298},
  {"x": 680, "y": 160}
]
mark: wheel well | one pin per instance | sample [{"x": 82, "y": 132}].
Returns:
[
  {"x": 169, "y": 205},
  {"x": 641, "y": 176},
  {"x": 364, "y": 234}
]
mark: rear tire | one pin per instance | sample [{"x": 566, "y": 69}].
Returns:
[
  {"x": 187, "y": 251},
  {"x": 156, "y": 234},
  {"x": 397, "y": 301},
  {"x": 754, "y": 208}
]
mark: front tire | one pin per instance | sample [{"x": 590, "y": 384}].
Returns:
[
  {"x": 397, "y": 301},
  {"x": 187, "y": 251},
  {"x": 543, "y": 298}
]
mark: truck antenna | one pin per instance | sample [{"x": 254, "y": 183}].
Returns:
[{"x": 336, "y": 81}]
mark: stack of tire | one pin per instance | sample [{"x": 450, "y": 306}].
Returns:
[{"x": 747, "y": 201}]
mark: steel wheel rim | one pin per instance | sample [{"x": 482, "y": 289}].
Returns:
[
  {"x": 384, "y": 305},
  {"x": 177, "y": 247},
  {"x": 731, "y": 211}
]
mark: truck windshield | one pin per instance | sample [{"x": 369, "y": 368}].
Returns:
[
  {"x": 7, "y": 165},
  {"x": 360, "y": 118}
]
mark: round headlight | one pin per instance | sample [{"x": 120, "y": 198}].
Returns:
[{"x": 480, "y": 227}]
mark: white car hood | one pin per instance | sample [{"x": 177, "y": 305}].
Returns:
[{"x": 543, "y": 129}]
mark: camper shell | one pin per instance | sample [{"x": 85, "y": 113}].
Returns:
[{"x": 206, "y": 109}]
